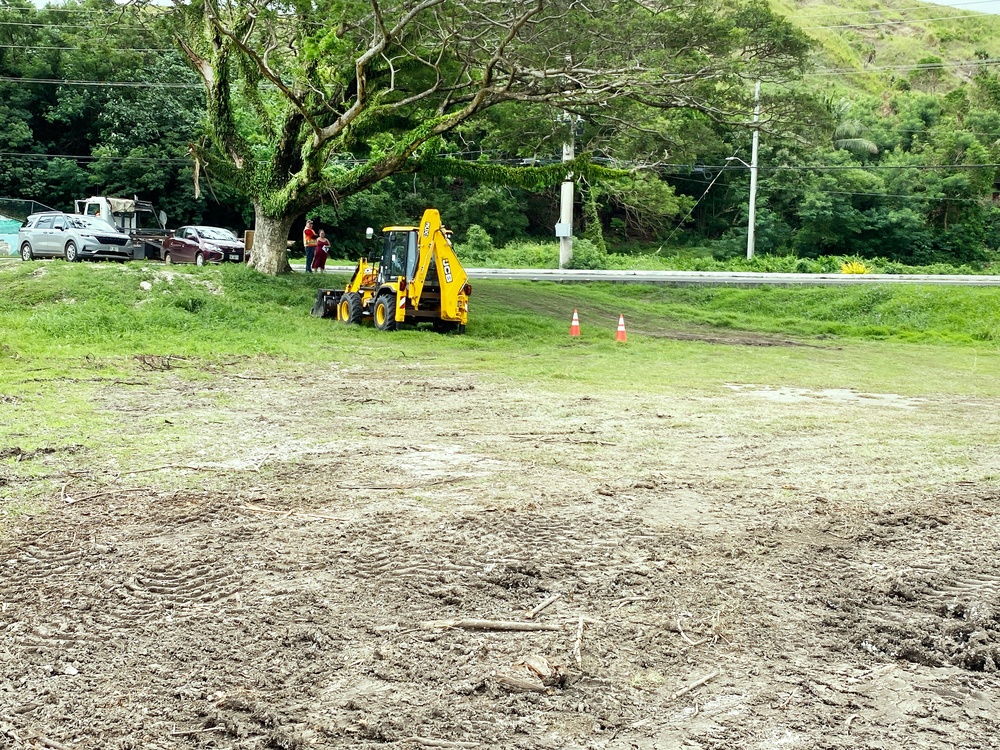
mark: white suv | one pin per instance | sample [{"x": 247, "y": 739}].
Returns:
[{"x": 53, "y": 234}]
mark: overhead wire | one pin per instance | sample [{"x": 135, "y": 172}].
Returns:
[
  {"x": 69, "y": 26},
  {"x": 914, "y": 196},
  {"x": 113, "y": 84},
  {"x": 72, "y": 157},
  {"x": 914, "y": 66},
  {"x": 843, "y": 167},
  {"x": 78, "y": 47},
  {"x": 894, "y": 23}
]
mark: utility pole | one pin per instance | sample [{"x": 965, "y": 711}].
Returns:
[
  {"x": 564, "y": 229},
  {"x": 752, "y": 214}
]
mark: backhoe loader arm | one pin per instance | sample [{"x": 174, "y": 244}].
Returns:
[
  {"x": 435, "y": 247},
  {"x": 430, "y": 227},
  {"x": 453, "y": 279}
]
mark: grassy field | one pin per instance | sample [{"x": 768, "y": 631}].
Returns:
[
  {"x": 58, "y": 316},
  {"x": 68, "y": 329}
]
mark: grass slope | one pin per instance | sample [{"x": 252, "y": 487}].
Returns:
[
  {"x": 128, "y": 309},
  {"x": 871, "y": 37},
  {"x": 79, "y": 323}
]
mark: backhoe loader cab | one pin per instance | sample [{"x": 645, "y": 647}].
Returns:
[{"x": 416, "y": 278}]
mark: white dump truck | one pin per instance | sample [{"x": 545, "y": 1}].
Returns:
[{"x": 136, "y": 218}]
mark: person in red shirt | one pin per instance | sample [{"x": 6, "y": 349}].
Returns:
[
  {"x": 322, "y": 251},
  {"x": 309, "y": 240}
]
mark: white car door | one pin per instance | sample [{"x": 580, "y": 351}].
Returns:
[
  {"x": 58, "y": 235},
  {"x": 42, "y": 240}
]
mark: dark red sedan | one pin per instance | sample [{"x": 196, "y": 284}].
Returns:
[{"x": 201, "y": 245}]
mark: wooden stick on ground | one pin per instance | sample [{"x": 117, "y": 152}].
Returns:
[
  {"x": 430, "y": 483},
  {"x": 634, "y": 599},
  {"x": 428, "y": 742},
  {"x": 516, "y": 683},
  {"x": 46, "y": 742},
  {"x": 578, "y": 644},
  {"x": 551, "y": 600},
  {"x": 487, "y": 625},
  {"x": 188, "y": 732},
  {"x": 189, "y": 467},
  {"x": 289, "y": 513},
  {"x": 694, "y": 685},
  {"x": 683, "y": 634}
]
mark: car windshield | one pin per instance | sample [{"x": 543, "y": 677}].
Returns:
[
  {"x": 90, "y": 222},
  {"x": 215, "y": 233}
]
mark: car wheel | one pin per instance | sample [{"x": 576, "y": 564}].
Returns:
[
  {"x": 71, "y": 252},
  {"x": 199, "y": 259},
  {"x": 167, "y": 259},
  {"x": 349, "y": 310},
  {"x": 26, "y": 253},
  {"x": 385, "y": 313}
]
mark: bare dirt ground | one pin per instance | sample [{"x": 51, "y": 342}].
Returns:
[{"x": 752, "y": 568}]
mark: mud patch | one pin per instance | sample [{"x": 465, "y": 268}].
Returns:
[
  {"x": 789, "y": 395},
  {"x": 709, "y": 585}
]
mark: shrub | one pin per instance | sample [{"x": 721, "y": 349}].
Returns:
[
  {"x": 478, "y": 245},
  {"x": 586, "y": 255}
]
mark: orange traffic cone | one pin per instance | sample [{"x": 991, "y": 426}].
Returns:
[
  {"x": 574, "y": 327},
  {"x": 620, "y": 335}
]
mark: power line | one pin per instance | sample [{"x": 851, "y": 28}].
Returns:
[
  {"x": 116, "y": 84},
  {"x": 842, "y": 167},
  {"x": 915, "y": 197},
  {"x": 150, "y": 11},
  {"x": 892, "y": 23},
  {"x": 914, "y": 66},
  {"x": 353, "y": 162},
  {"x": 69, "y": 26},
  {"x": 72, "y": 157},
  {"x": 117, "y": 13},
  {"x": 101, "y": 49}
]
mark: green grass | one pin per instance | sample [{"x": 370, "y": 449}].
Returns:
[{"x": 94, "y": 323}]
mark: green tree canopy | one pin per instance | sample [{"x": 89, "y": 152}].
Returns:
[{"x": 311, "y": 104}]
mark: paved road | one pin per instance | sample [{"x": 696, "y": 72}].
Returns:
[{"x": 717, "y": 278}]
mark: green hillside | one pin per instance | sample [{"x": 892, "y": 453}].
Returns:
[{"x": 872, "y": 44}]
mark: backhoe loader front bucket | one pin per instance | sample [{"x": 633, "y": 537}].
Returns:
[{"x": 326, "y": 303}]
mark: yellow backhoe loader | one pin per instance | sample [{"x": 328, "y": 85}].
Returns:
[{"x": 416, "y": 279}]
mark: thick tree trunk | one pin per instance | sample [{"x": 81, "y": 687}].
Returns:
[{"x": 270, "y": 243}]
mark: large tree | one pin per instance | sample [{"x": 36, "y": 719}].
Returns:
[{"x": 310, "y": 103}]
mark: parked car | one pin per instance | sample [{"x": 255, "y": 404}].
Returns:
[
  {"x": 203, "y": 245},
  {"x": 54, "y": 234}
]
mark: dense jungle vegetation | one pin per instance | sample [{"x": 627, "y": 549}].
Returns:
[{"x": 886, "y": 146}]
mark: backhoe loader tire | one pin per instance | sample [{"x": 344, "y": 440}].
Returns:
[
  {"x": 385, "y": 313},
  {"x": 349, "y": 310}
]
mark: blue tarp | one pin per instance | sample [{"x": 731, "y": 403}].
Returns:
[{"x": 8, "y": 236}]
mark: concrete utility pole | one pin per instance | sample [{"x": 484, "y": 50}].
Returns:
[
  {"x": 752, "y": 214},
  {"x": 564, "y": 229}
]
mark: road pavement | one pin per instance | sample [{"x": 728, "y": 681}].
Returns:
[{"x": 717, "y": 278}]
